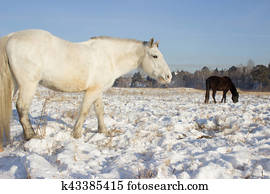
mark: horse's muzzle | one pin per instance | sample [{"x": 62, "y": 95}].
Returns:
[{"x": 166, "y": 79}]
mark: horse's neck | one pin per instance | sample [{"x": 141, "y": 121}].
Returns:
[
  {"x": 126, "y": 55},
  {"x": 233, "y": 89},
  {"x": 129, "y": 59}
]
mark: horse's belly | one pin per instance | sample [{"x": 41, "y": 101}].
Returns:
[
  {"x": 65, "y": 85},
  {"x": 65, "y": 77}
]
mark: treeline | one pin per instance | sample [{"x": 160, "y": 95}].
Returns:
[{"x": 254, "y": 78}]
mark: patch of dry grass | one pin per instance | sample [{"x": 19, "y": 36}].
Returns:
[
  {"x": 253, "y": 92},
  {"x": 146, "y": 173},
  {"x": 42, "y": 123},
  {"x": 151, "y": 91},
  {"x": 109, "y": 143},
  {"x": 72, "y": 114}
]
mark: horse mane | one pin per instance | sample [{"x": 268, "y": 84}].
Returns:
[{"x": 118, "y": 39}]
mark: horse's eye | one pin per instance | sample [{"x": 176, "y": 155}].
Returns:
[{"x": 155, "y": 56}]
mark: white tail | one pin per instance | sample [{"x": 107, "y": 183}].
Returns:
[{"x": 6, "y": 87}]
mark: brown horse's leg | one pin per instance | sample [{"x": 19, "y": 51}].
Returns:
[
  {"x": 206, "y": 96},
  {"x": 214, "y": 95},
  {"x": 224, "y": 96}
]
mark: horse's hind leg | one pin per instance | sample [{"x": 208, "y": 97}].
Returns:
[
  {"x": 214, "y": 96},
  {"x": 206, "y": 96},
  {"x": 25, "y": 96},
  {"x": 99, "y": 108}
]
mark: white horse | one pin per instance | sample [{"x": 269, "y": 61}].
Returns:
[{"x": 32, "y": 57}]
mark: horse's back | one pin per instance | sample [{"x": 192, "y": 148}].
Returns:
[
  {"x": 213, "y": 78},
  {"x": 24, "y": 50},
  {"x": 212, "y": 81},
  {"x": 28, "y": 43},
  {"x": 30, "y": 33},
  {"x": 39, "y": 56},
  {"x": 218, "y": 83},
  {"x": 35, "y": 38}
]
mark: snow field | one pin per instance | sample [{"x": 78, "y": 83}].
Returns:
[{"x": 155, "y": 133}]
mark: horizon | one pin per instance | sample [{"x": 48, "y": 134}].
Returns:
[
  {"x": 197, "y": 67},
  {"x": 202, "y": 33}
]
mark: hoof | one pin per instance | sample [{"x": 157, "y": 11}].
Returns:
[
  {"x": 105, "y": 132},
  {"x": 37, "y": 137},
  {"x": 33, "y": 135},
  {"x": 77, "y": 135}
]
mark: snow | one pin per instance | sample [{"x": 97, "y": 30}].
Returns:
[{"x": 155, "y": 133}]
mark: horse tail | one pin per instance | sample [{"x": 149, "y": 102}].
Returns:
[
  {"x": 6, "y": 88},
  {"x": 207, "y": 84}
]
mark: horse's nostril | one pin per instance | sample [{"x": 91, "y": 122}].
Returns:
[{"x": 168, "y": 77}]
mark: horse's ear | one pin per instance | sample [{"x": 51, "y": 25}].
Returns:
[
  {"x": 151, "y": 42},
  {"x": 157, "y": 43}
]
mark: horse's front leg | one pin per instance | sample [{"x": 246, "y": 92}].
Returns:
[
  {"x": 90, "y": 96},
  {"x": 99, "y": 108},
  {"x": 224, "y": 96},
  {"x": 221, "y": 100}
]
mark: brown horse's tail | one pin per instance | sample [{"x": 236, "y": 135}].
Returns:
[{"x": 6, "y": 88}]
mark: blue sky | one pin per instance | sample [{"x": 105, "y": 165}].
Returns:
[{"x": 192, "y": 33}]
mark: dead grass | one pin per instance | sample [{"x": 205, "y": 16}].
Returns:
[
  {"x": 256, "y": 93},
  {"x": 151, "y": 91},
  {"x": 72, "y": 114},
  {"x": 171, "y": 91},
  {"x": 258, "y": 120},
  {"x": 205, "y": 137},
  {"x": 147, "y": 173},
  {"x": 76, "y": 153},
  {"x": 109, "y": 143},
  {"x": 158, "y": 134},
  {"x": 114, "y": 132},
  {"x": 42, "y": 123},
  {"x": 181, "y": 136},
  {"x": 167, "y": 162},
  {"x": 28, "y": 175}
]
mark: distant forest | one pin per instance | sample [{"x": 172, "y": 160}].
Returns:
[{"x": 250, "y": 77}]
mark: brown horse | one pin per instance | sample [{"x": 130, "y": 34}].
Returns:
[{"x": 220, "y": 84}]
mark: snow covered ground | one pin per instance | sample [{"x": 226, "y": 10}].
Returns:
[{"x": 155, "y": 133}]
